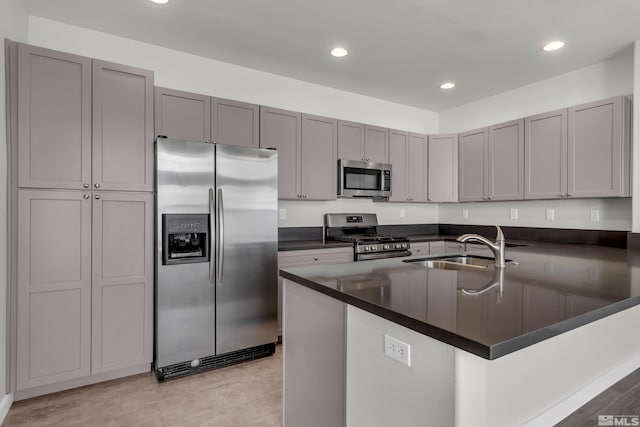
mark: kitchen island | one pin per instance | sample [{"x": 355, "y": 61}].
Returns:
[{"x": 525, "y": 345}]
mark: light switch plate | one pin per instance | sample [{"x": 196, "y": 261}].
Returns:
[
  {"x": 551, "y": 214},
  {"x": 283, "y": 213},
  {"x": 465, "y": 213},
  {"x": 403, "y": 213},
  {"x": 595, "y": 215},
  {"x": 513, "y": 213}
]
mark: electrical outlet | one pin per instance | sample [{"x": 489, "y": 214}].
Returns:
[
  {"x": 595, "y": 215},
  {"x": 465, "y": 213},
  {"x": 513, "y": 213},
  {"x": 402, "y": 213},
  {"x": 397, "y": 350},
  {"x": 551, "y": 214},
  {"x": 283, "y": 213}
]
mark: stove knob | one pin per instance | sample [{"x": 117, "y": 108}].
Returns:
[
  {"x": 398, "y": 246},
  {"x": 387, "y": 246},
  {"x": 405, "y": 245},
  {"x": 366, "y": 248}
]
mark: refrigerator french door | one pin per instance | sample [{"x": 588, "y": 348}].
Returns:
[{"x": 216, "y": 262}]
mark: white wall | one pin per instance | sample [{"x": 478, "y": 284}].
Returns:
[
  {"x": 602, "y": 80},
  {"x": 13, "y": 26}
]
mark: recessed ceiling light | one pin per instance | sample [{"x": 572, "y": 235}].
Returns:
[
  {"x": 554, "y": 45},
  {"x": 160, "y": 1},
  {"x": 339, "y": 52},
  {"x": 447, "y": 85}
]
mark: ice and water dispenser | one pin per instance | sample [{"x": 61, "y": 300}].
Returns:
[{"x": 185, "y": 238}]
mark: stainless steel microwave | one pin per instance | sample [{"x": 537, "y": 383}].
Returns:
[{"x": 363, "y": 179}]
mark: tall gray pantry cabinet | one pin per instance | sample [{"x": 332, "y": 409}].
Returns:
[{"x": 81, "y": 220}]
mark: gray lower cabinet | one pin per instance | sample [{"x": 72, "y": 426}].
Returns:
[
  {"x": 53, "y": 287},
  {"x": 122, "y": 149},
  {"x": 599, "y": 137},
  {"x": 442, "y": 168},
  {"x": 182, "y": 115},
  {"x": 122, "y": 280},
  {"x": 85, "y": 284},
  {"x": 309, "y": 257},
  {"x": 407, "y": 155},
  {"x": 307, "y": 153},
  {"x": 357, "y": 141}
]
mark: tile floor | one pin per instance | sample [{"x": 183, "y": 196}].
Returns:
[{"x": 244, "y": 395}]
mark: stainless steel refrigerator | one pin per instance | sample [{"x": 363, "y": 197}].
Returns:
[{"x": 216, "y": 255}]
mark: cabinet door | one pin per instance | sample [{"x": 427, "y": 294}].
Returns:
[
  {"x": 182, "y": 115},
  {"x": 122, "y": 127},
  {"x": 417, "y": 163},
  {"x": 54, "y": 287},
  {"x": 596, "y": 150},
  {"x": 442, "y": 169},
  {"x": 350, "y": 140},
  {"x": 54, "y": 119},
  {"x": 472, "y": 174},
  {"x": 319, "y": 158},
  {"x": 376, "y": 144},
  {"x": 122, "y": 280},
  {"x": 545, "y": 142},
  {"x": 280, "y": 129},
  {"x": 506, "y": 161},
  {"x": 235, "y": 123},
  {"x": 398, "y": 144}
]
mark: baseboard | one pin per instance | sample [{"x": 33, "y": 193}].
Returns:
[
  {"x": 5, "y": 405},
  {"x": 571, "y": 404}
]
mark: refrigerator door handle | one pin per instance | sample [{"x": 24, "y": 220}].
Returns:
[
  {"x": 212, "y": 226},
  {"x": 220, "y": 240}
]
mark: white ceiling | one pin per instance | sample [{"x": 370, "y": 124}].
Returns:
[{"x": 399, "y": 50}]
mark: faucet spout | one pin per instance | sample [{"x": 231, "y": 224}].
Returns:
[{"x": 496, "y": 247}]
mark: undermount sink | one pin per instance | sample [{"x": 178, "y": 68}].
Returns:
[{"x": 453, "y": 262}]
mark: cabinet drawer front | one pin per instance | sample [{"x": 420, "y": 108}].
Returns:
[
  {"x": 419, "y": 248},
  {"x": 308, "y": 257}
]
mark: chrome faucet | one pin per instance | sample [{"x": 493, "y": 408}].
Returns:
[{"x": 497, "y": 248}]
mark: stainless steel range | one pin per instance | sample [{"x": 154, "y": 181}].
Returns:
[{"x": 362, "y": 231}]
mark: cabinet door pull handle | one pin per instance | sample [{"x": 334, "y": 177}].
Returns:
[
  {"x": 85, "y": 185},
  {"x": 315, "y": 258},
  {"x": 304, "y": 196},
  {"x": 96, "y": 185},
  {"x": 85, "y": 196},
  {"x": 97, "y": 196}
]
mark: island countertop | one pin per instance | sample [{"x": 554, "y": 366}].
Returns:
[{"x": 549, "y": 290}]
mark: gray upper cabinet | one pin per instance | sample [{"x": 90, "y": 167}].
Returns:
[
  {"x": 407, "y": 155},
  {"x": 235, "y": 123},
  {"x": 54, "y": 119},
  {"x": 473, "y": 174},
  {"x": 350, "y": 140},
  {"x": 398, "y": 143},
  {"x": 376, "y": 144},
  {"x": 281, "y": 129},
  {"x": 357, "y": 141},
  {"x": 506, "y": 161},
  {"x": 307, "y": 147},
  {"x": 599, "y": 148},
  {"x": 416, "y": 168},
  {"x": 319, "y": 158},
  {"x": 442, "y": 169},
  {"x": 182, "y": 115},
  {"x": 546, "y": 155},
  {"x": 122, "y": 127},
  {"x": 491, "y": 163},
  {"x": 122, "y": 280}
]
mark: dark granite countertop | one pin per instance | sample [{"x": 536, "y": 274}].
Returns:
[{"x": 552, "y": 289}]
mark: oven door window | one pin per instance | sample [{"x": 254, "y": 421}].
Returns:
[{"x": 362, "y": 179}]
